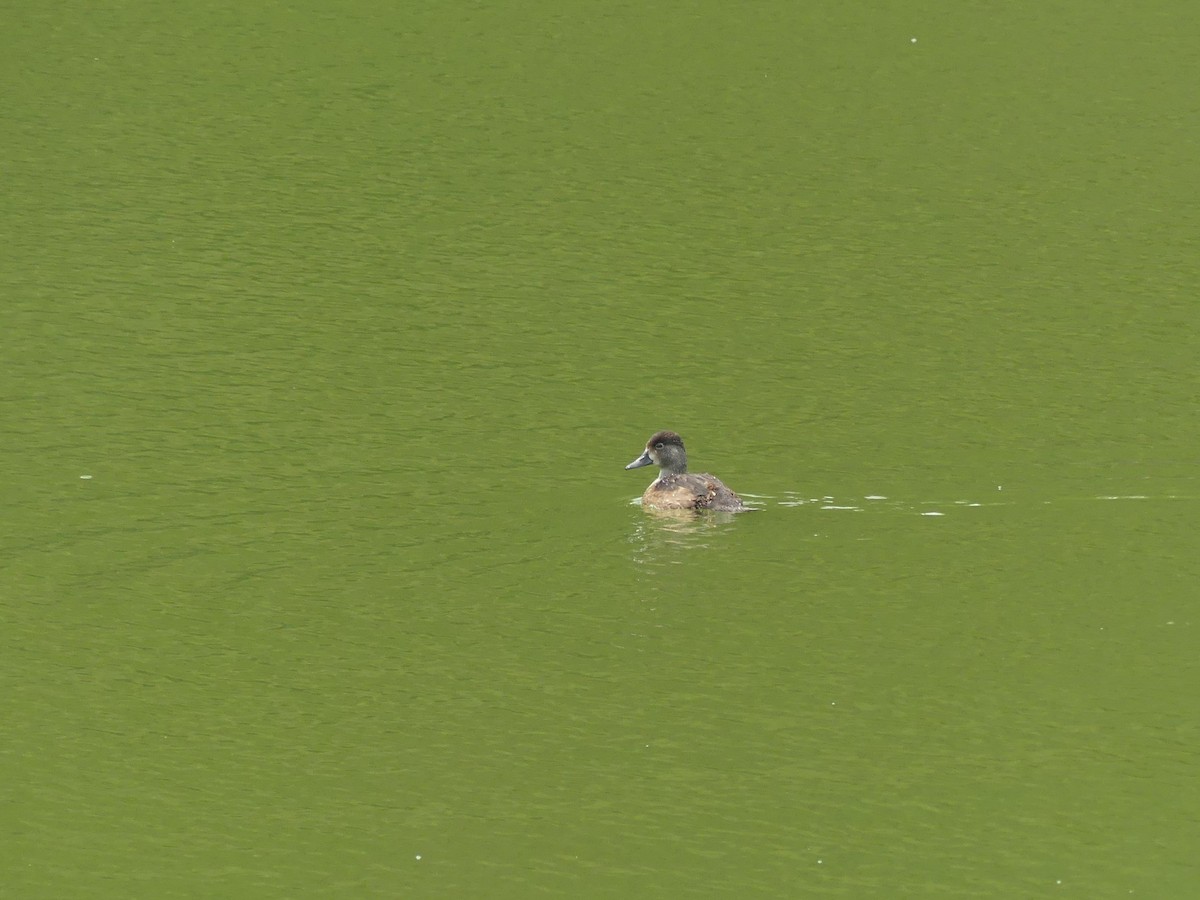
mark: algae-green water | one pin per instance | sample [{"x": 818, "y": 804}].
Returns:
[{"x": 327, "y": 332}]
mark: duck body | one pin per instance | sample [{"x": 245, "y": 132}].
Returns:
[
  {"x": 691, "y": 491},
  {"x": 675, "y": 487}
]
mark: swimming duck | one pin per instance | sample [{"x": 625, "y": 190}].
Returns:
[{"x": 675, "y": 487}]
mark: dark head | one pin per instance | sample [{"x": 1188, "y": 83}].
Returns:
[{"x": 664, "y": 450}]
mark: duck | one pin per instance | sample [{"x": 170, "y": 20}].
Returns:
[{"x": 675, "y": 487}]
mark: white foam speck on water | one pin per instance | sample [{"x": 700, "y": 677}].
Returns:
[
  {"x": 874, "y": 497},
  {"x": 933, "y": 513},
  {"x": 85, "y": 477}
]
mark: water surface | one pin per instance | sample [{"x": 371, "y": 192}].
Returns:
[{"x": 327, "y": 337}]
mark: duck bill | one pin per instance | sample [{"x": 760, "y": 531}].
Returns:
[{"x": 643, "y": 460}]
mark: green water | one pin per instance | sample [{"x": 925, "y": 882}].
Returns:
[{"x": 326, "y": 333}]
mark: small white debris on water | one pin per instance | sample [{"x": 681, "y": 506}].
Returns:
[
  {"x": 874, "y": 497},
  {"x": 999, "y": 487},
  {"x": 933, "y": 514},
  {"x": 418, "y": 856},
  {"x": 913, "y": 40},
  {"x": 85, "y": 477}
]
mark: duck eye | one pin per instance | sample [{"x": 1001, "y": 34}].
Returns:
[{"x": 658, "y": 446}]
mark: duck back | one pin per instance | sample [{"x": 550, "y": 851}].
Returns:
[{"x": 691, "y": 490}]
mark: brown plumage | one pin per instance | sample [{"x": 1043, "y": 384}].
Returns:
[{"x": 675, "y": 487}]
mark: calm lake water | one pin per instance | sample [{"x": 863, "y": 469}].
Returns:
[{"x": 328, "y": 331}]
